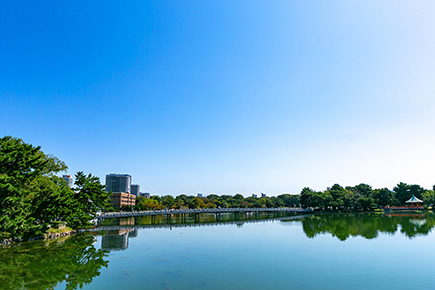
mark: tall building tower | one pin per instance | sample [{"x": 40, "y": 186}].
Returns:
[
  {"x": 120, "y": 186},
  {"x": 135, "y": 189},
  {"x": 118, "y": 183},
  {"x": 68, "y": 179}
]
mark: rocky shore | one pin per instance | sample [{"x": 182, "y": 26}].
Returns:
[{"x": 48, "y": 236}]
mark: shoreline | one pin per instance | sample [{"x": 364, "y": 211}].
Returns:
[
  {"x": 54, "y": 236},
  {"x": 47, "y": 236}
]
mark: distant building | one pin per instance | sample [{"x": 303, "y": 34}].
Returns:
[
  {"x": 199, "y": 194},
  {"x": 68, "y": 179},
  {"x": 120, "y": 186},
  {"x": 120, "y": 199},
  {"x": 145, "y": 194},
  {"x": 118, "y": 182},
  {"x": 135, "y": 189},
  {"x": 263, "y": 195},
  {"x": 254, "y": 195}
]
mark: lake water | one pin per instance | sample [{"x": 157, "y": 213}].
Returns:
[{"x": 326, "y": 251}]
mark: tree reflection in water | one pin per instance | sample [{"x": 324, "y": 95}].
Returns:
[
  {"x": 366, "y": 225},
  {"x": 42, "y": 265}
]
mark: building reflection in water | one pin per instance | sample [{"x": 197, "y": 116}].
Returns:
[{"x": 117, "y": 240}]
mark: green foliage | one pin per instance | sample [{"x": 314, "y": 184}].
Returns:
[
  {"x": 366, "y": 203},
  {"x": 196, "y": 203},
  {"x": 33, "y": 198},
  {"x": 88, "y": 198},
  {"x": 384, "y": 197},
  {"x": 344, "y": 226},
  {"x": 26, "y": 184},
  {"x": 215, "y": 201},
  {"x": 363, "y": 197},
  {"x": 168, "y": 201},
  {"x": 289, "y": 200},
  {"x": 404, "y": 191},
  {"x": 143, "y": 203},
  {"x": 429, "y": 197},
  {"x": 42, "y": 265},
  {"x": 210, "y": 205}
]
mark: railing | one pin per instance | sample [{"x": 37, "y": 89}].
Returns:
[
  {"x": 405, "y": 207},
  {"x": 198, "y": 211}
]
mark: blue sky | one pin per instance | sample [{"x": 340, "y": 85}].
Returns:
[{"x": 225, "y": 96}]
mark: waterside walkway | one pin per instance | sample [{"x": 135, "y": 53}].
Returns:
[{"x": 199, "y": 211}]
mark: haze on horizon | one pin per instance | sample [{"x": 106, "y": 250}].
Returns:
[{"x": 225, "y": 96}]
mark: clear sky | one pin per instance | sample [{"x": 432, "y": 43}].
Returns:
[{"x": 225, "y": 96}]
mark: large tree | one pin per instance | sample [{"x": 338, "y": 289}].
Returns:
[
  {"x": 384, "y": 197},
  {"x": 89, "y": 197},
  {"x": 33, "y": 198},
  {"x": 404, "y": 191},
  {"x": 26, "y": 176}
]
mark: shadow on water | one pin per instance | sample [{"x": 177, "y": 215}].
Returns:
[
  {"x": 343, "y": 226},
  {"x": 42, "y": 264}
]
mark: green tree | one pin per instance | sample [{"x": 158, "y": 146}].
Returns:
[
  {"x": 383, "y": 197},
  {"x": 33, "y": 198},
  {"x": 366, "y": 203},
  {"x": 339, "y": 196},
  {"x": 361, "y": 190},
  {"x": 143, "y": 203},
  {"x": 168, "y": 201},
  {"x": 197, "y": 203},
  {"x": 210, "y": 205},
  {"x": 290, "y": 200},
  {"x": 22, "y": 166},
  {"x": 309, "y": 198},
  {"x": 429, "y": 197},
  {"x": 404, "y": 191},
  {"x": 89, "y": 197},
  {"x": 183, "y": 200}
]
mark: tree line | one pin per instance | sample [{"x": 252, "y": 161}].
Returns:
[
  {"x": 33, "y": 198},
  {"x": 364, "y": 197},
  {"x": 214, "y": 201},
  {"x": 359, "y": 197}
]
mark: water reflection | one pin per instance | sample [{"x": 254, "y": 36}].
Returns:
[
  {"x": 117, "y": 240},
  {"x": 42, "y": 265},
  {"x": 117, "y": 231},
  {"x": 368, "y": 226},
  {"x": 76, "y": 261},
  {"x": 192, "y": 219}
]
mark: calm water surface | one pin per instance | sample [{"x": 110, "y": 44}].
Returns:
[{"x": 329, "y": 251}]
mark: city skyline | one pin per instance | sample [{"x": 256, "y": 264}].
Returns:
[{"x": 219, "y": 97}]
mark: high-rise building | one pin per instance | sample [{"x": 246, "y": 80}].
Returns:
[
  {"x": 135, "y": 189},
  {"x": 145, "y": 194},
  {"x": 120, "y": 186},
  {"x": 68, "y": 179},
  {"x": 118, "y": 183}
]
